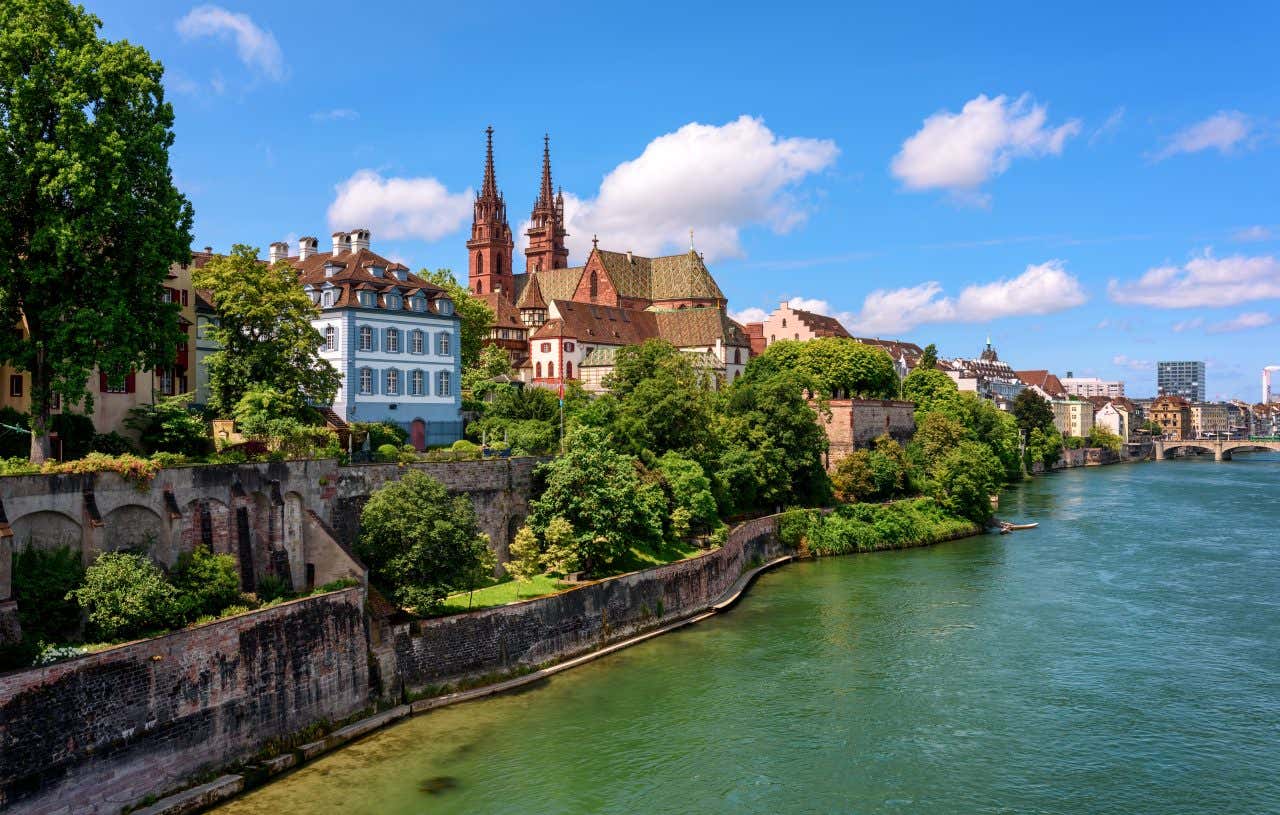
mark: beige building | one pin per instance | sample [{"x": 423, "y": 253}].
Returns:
[
  {"x": 1072, "y": 417},
  {"x": 1173, "y": 414},
  {"x": 1087, "y": 386},
  {"x": 1210, "y": 420}
]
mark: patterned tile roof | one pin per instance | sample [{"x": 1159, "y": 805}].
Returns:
[
  {"x": 553, "y": 284},
  {"x": 671, "y": 277},
  {"x": 692, "y": 327}
]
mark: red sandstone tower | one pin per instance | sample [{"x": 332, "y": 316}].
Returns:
[
  {"x": 489, "y": 267},
  {"x": 546, "y": 234}
]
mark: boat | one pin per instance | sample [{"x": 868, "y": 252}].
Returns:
[{"x": 1006, "y": 527}]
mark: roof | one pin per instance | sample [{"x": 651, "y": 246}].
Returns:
[
  {"x": 355, "y": 272},
  {"x": 505, "y": 315},
  {"x": 590, "y": 323},
  {"x": 670, "y": 277},
  {"x": 1045, "y": 381},
  {"x": 688, "y": 327},
  {"x": 820, "y": 324},
  {"x": 553, "y": 284},
  {"x": 895, "y": 348},
  {"x": 605, "y": 357}
]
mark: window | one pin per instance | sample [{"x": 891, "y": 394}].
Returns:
[
  {"x": 546, "y": 348},
  {"x": 419, "y": 302},
  {"x": 366, "y": 381},
  {"x": 568, "y": 370},
  {"x": 393, "y": 341},
  {"x": 551, "y": 370},
  {"x": 326, "y": 299},
  {"x": 443, "y": 386},
  {"x": 15, "y": 384},
  {"x": 367, "y": 299},
  {"x": 366, "y": 338},
  {"x": 479, "y": 287},
  {"x": 330, "y": 338},
  {"x": 497, "y": 265},
  {"x": 166, "y": 382},
  {"x": 443, "y": 342},
  {"x": 417, "y": 343},
  {"x": 568, "y": 346},
  {"x": 415, "y": 383},
  {"x": 594, "y": 285},
  {"x": 394, "y": 301},
  {"x": 393, "y": 382},
  {"x": 537, "y": 370},
  {"x": 479, "y": 270},
  {"x": 784, "y": 322},
  {"x": 737, "y": 356}
]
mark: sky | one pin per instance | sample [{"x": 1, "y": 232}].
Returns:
[{"x": 1094, "y": 187}]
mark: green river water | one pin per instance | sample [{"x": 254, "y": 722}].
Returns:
[{"x": 1122, "y": 658}]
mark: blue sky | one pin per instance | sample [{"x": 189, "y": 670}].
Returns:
[{"x": 1095, "y": 187}]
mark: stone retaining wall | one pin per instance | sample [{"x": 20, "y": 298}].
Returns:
[
  {"x": 100, "y": 732},
  {"x": 419, "y": 655}
]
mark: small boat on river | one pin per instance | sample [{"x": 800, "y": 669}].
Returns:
[{"x": 1006, "y": 527}]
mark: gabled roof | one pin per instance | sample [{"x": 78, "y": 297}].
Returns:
[
  {"x": 1045, "y": 381},
  {"x": 896, "y": 349},
  {"x": 671, "y": 277},
  {"x": 820, "y": 324},
  {"x": 693, "y": 327},
  {"x": 553, "y": 284},
  {"x": 602, "y": 325},
  {"x": 505, "y": 315}
]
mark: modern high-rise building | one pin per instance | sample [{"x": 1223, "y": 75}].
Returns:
[{"x": 1185, "y": 379}]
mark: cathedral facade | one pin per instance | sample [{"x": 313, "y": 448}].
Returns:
[{"x": 561, "y": 323}]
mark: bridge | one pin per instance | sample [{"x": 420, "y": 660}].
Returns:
[{"x": 1221, "y": 448}]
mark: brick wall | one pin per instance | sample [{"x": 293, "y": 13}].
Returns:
[
  {"x": 94, "y": 734},
  {"x": 856, "y": 423},
  {"x": 420, "y": 654}
]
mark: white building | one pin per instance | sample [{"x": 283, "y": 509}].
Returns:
[{"x": 1087, "y": 386}]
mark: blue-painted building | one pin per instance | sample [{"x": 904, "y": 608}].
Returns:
[{"x": 392, "y": 335}]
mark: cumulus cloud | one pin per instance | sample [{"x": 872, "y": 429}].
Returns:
[
  {"x": 1132, "y": 364},
  {"x": 752, "y": 314},
  {"x": 256, "y": 47},
  {"x": 335, "y": 115},
  {"x": 1204, "y": 280},
  {"x": 1242, "y": 322},
  {"x": 961, "y": 151},
  {"x": 1223, "y": 131},
  {"x": 714, "y": 179},
  {"x": 1253, "y": 234},
  {"x": 1043, "y": 288},
  {"x": 399, "y": 207}
]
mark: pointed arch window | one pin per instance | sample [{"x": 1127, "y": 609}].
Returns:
[
  {"x": 479, "y": 265},
  {"x": 537, "y": 370},
  {"x": 551, "y": 370},
  {"x": 568, "y": 369},
  {"x": 497, "y": 264},
  {"x": 594, "y": 285},
  {"x": 479, "y": 287}
]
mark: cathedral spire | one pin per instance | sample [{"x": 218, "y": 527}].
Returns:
[
  {"x": 489, "y": 268},
  {"x": 546, "y": 248},
  {"x": 545, "y": 196},
  {"x": 490, "y": 186}
]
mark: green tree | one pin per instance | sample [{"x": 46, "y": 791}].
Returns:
[
  {"x": 965, "y": 479},
  {"x": 206, "y": 582},
  {"x": 1100, "y": 436},
  {"x": 169, "y": 426},
  {"x": 929, "y": 359},
  {"x": 125, "y": 595},
  {"x": 1032, "y": 411},
  {"x": 264, "y": 333},
  {"x": 526, "y": 559},
  {"x": 664, "y": 403},
  {"x": 690, "y": 489},
  {"x": 420, "y": 543},
  {"x": 835, "y": 365},
  {"x": 492, "y": 362},
  {"x": 473, "y": 313},
  {"x": 90, "y": 221},
  {"x": 1044, "y": 446},
  {"x": 41, "y": 580},
  {"x": 598, "y": 491},
  {"x": 932, "y": 391}
]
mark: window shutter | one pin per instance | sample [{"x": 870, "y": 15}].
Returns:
[
  {"x": 102, "y": 383},
  {"x": 130, "y": 383}
]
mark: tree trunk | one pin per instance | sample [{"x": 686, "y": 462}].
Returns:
[{"x": 40, "y": 412}]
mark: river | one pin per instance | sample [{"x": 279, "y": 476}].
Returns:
[{"x": 1122, "y": 658}]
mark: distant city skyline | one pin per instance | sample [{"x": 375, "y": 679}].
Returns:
[{"x": 918, "y": 183}]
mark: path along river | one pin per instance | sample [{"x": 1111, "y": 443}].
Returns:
[{"x": 1122, "y": 658}]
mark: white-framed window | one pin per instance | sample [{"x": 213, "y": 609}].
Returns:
[
  {"x": 443, "y": 384},
  {"x": 443, "y": 343},
  {"x": 326, "y": 298},
  {"x": 366, "y": 381},
  {"x": 394, "y": 301},
  {"x": 366, "y": 338},
  {"x": 330, "y": 338},
  {"x": 367, "y": 299},
  {"x": 393, "y": 382},
  {"x": 419, "y": 302},
  {"x": 417, "y": 342},
  {"x": 393, "y": 341},
  {"x": 416, "y": 383}
]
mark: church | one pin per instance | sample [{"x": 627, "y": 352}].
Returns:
[{"x": 560, "y": 322}]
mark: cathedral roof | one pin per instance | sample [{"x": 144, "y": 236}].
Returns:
[
  {"x": 690, "y": 327},
  {"x": 587, "y": 322},
  {"x": 671, "y": 277},
  {"x": 504, "y": 313},
  {"x": 531, "y": 294},
  {"x": 553, "y": 284}
]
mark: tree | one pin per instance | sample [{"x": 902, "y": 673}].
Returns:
[
  {"x": 1044, "y": 446},
  {"x": 929, "y": 359},
  {"x": 90, "y": 221},
  {"x": 965, "y": 479},
  {"x": 690, "y": 489},
  {"x": 1100, "y": 436},
  {"x": 599, "y": 493},
  {"x": 474, "y": 314},
  {"x": 264, "y": 333},
  {"x": 835, "y": 366},
  {"x": 1032, "y": 411},
  {"x": 664, "y": 403},
  {"x": 526, "y": 560},
  {"x": 206, "y": 582},
  {"x": 169, "y": 426},
  {"x": 491, "y": 363},
  {"x": 125, "y": 594},
  {"x": 420, "y": 543},
  {"x": 932, "y": 391}
]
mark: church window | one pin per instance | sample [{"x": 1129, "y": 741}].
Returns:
[
  {"x": 737, "y": 356},
  {"x": 784, "y": 322},
  {"x": 479, "y": 265},
  {"x": 568, "y": 370},
  {"x": 773, "y": 338},
  {"x": 595, "y": 285},
  {"x": 537, "y": 370},
  {"x": 551, "y": 370},
  {"x": 497, "y": 265},
  {"x": 479, "y": 287}
]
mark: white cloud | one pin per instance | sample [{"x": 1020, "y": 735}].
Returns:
[
  {"x": 335, "y": 115},
  {"x": 713, "y": 179},
  {"x": 399, "y": 207},
  {"x": 1044, "y": 288},
  {"x": 1223, "y": 132},
  {"x": 961, "y": 151},
  {"x": 1203, "y": 281},
  {"x": 1132, "y": 364},
  {"x": 1188, "y": 325},
  {"x": 1252, "y": 234},
  {"x": 1242, "y": 322},
  {"x": 256, "y": 47},
  {"x": 753, "y": 314},
  {"x": 1107, "y": 128}
]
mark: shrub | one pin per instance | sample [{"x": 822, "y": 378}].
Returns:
[
  {"x": 206, "y": 582},
  {"x": 75, "y": 432},
  {"x": 112, "y": 444},
  {"x": 378, "y": 433},
  {"x": 41, "y": 580},
  {"x": 388, "y": 452},
  {"x": 169, "y": 426},
  {"x": 271, "y": 587},
  {"x": 53, "y": 652},
  {"x": 125, "y": 595},
  {"x": 18, "y": 466},
  {"x": 169, "y": 459},
  {"x": 138, "y": 471}
]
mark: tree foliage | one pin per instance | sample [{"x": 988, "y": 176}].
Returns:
[
  {"x": 206, "y": 582},
  {"x": 663, "y": 403},
  {"x": 125, "y": 595},
  {"x": 420, "y": 543},
  {"x": 169, "y": 426},
  {"x": 473, "y": 313},
  {"x": 834, "y": 366},
  {"x": 264, "y": 334},
  {"x": 90, "y": 221},
  {"x": 1032, "y": 411}
]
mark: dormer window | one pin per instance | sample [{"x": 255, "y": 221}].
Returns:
[
  {"x": 402, "y": 274},
  {"x": 444, "y": 306},
  {"x": 394, "y": 301},
  {"x": 377, "y": 271},
  {"x": 326, "y": 298},
  {"x": 367, "y": 299},
  {"x": 419, "y": 302},
  {"x": 331, "y": 269}
]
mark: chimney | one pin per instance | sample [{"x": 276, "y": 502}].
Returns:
[
  {"x": 277, "y": 252},
  {"x": 629, "y": 260},
  {"x": 359, "y": 239},
  {"x": 339, "y": 243},
  {"x": 307, "y": 247},
  {"x": 208, "y": 250}
]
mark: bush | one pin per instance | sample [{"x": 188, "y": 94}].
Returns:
[
  {"x": 169, "y": 426},
  {"x": 388, "y": 452},
  {"x": 206, "y": 582},
  {"x": 125, "y": 595},
  {"x": 18, "y": 466},
  {"x": 138, "y": 471},
  {"x": 75, "y": 432},
  {"x": 378, "y": 434},
  {"x": 272, "y": 587},
  {"x": 42, "y": 578},
  {"x": 873, "y": 527},
  {"x": 112, "y": 444}
]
